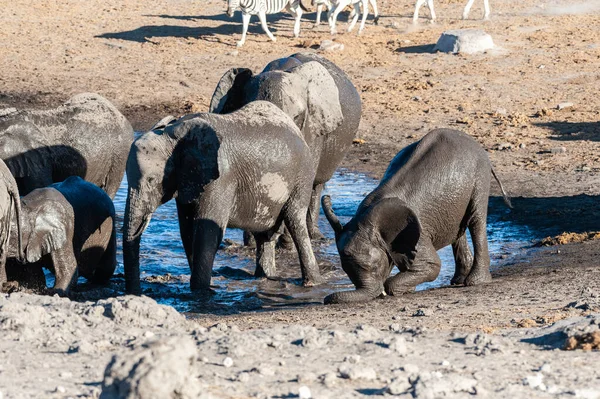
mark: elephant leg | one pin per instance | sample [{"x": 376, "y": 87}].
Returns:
[
  {"x": 265, "y": 256},
  {"x": 285, "y": 240},
  {"x": 249, "y": 240},
  {"x": 207, "y": 237},
  {"x": 467, "y": 9},
  {"x": 480, "y": 272},
  {"x": 313, "y": 213},
  {"x": 108, "y": 262},
  {"x": 245, "y": 23},
  {"x": 30, "y": 275},
  {"x": 295, "y": 221},
  {"x": 462, "y": 258},
  {"x": 425, "y": 268},
  {"x": 65, "y": 269},
  {"x": 185, "y": 215}
]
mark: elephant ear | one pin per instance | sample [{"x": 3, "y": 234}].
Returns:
[
  {"x": 197, "y": 157},
  {"x": 324, "y": 111},
  {"x": 399, "y": 228},
  {"x": 47, "y": 235},
  {"x": 229, "y": 94}
]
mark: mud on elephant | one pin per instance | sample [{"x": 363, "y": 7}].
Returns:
[
  {"x": 432, "y": 191},
  {"x": 86, "y": 136},
  {"x": 250, "y": 169},
  {"x": 10, "y": 206},
  {"x": 316, "y": 94},
  {"x": 68, "y": 228}
]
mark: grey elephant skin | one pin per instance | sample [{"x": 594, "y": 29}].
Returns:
[
  {"x": 250, "y": 169},
  {"x": 432, "y": 191},
  {"x": 316, "y": 94},
  {"x": 86, "y": 136},
  {"x": 68, "y": 228},
  {"x": 9, "y": 206}
]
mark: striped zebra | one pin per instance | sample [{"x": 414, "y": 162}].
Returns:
[
  {"x": 262, "y": 8},
  {"x": 338, "y": 5}
]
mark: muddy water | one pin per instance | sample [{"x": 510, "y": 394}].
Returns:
[{"x": 165, "y": 272}]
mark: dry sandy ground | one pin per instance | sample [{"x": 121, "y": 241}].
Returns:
[{"x": 153, "y": 58}]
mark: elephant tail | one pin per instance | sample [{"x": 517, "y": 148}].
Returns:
[{"x": 504, "y": 195}]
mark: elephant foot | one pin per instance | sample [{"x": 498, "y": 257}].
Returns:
[
  {"x": 313, "y": 281},
  {"x": 478, "y": 278},
  {"x": 203, "y": 295},
  {"x": 458, "y": 280},
  {"x": 56, "y": 291},
  {"x": 10, "y": 287},
  {"x": 262, "y": 273},
  {"x": 389, "y": 288}
]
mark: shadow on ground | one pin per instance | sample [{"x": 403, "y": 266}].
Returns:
[{"x": 569, "y": 131}]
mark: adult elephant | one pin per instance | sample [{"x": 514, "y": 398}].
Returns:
[
  {"x": 86, "y": 137},
  {"x": 316, "y": 94},
  {"x": 250, "y": 169},
  {"x": 9, "y": 203}
]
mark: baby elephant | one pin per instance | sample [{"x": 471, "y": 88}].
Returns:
[
  {"x": 432, "y": 191},
  {"x": 68, "y": 227}
]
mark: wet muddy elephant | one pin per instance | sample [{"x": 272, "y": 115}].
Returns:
[
  {"x": 432, "y": 191},
  {"x": 86, "y": 136},
  {"x": 9, "y": 206},
  {"x": 250, "y": 169},
  {"x": 316, "y": 94},
  {"x": 68, "y": 228}
]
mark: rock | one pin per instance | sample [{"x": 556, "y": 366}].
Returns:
[
  {"x": 466, "y": 41},
  {"x": 329, "y": 379},
  {"x": 228, "y": 362},
  {"x": 160, "y": 369},
  {"x": 535, "y": 381},
  {"x": 546, "y": 368},
  {"x": 358, "y": 373},
  {"x": 7, "y": 111},
  {"x": 558, "y": 150},
  {"x": 306, "y": 378},
  {"x": 587, "y": 393},
  {"x": 410, "y": 368},
  {"x": 330, "y": 45},
  {"x": 564, "y": 105},
  {"x": 398, "y": 345},
  {"x": 398, "y": 386},
  {"x": 503, "y": 146},
  {"x": 304, "y": 392},
  {"x": 352, "y": 359},
  {"x": 60, "y": 389},
  {"x": 422, "y": 312},
  {"x": 395, "y": 327}
]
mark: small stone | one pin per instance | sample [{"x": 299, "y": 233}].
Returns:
[
  {"x": 503, "y": 146},
  {"x": 534, "y": 381},
  {"x": 564, "y": 105},
  {"x": 358, "y": 373},
  {"x": 306, "y": 378},
  {"x": 410, "y": 368},
  {"x": 330, "y": 45},
  {"x": 352, "y": 359},
  {"x": 422, "y": 312},
  {"x": 395, "y": 327},
  {"x": 228, "y": 362},
  {"x": 445, "y": 363},
  {"x": 501, "y": 111},
  {"x": 148, "y": 334},
  {"x": 65, "y": 374},
  {"x": 546, "y": 368},
  {"x": 398, "y": 345},
  {"x": 265, "y": 371},
  {"x": 522, "y": 145},
  {"x": 329, "y": 379},
  {"x": 416, "y": 98},
  {"x": 233, "y": 53},
  {"x": 60, "y": 389},
  {"x": 558, "y": 150},
  {"x": 204, "y": 359},
  {"x": 467, "y": 41},
  {"x": 243, "y": 377},
  {"x": 304, "y": 392},
  {"x": 398, "y": 386}
]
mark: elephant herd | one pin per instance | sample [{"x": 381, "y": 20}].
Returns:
[{"x": 258, "y": 160}]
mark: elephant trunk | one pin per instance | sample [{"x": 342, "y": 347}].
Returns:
[
  {"x": 358, "y": 295},
  {"x": 330, "y": 215},
  {"x": 135, "y": 222}
]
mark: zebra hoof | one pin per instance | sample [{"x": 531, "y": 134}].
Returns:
[
  {"x": 376, "y": 20},
  {"x": 240, "y": 43}
]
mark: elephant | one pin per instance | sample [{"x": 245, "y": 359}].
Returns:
[
  {"x": 9, "y": 203},
  {"x": 316, "y": 94},
  {"x": 431, "y": 192},
  {"x": 250, "y": 169},
  {"x": 68, "y": 227},
  {"x": 86, "y": 136}
]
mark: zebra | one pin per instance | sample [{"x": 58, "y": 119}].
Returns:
[
  {"x": 321, "y": 4},
  {"x": 338, "y": 5},
  {"x": 262, "y": 8},
  {"x": 419, "y": 4}
]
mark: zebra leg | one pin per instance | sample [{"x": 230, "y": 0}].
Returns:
[
  {"x": 262, "y": 16},
  {"x": 430, "y": 5},
  {"x": 486, "y": 5},
  {"x": 364, "y": 16},
  {"x": 376, "y": 12},
  {"x": 333, "y": 19},
  {"x": 319, "y": 11},
  {"x": 356, "y": 8},
  {"x": 297, "y": 14},
  {"x": 245, "y": 22},
  {"x": 418, "y": 6},
  {"x": 467, "y": 9}
]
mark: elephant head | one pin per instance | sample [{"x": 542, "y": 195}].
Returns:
[
  {"x": 177, "y": 159},
  {"x": 384, "y": 233},
  {"x": 306, "y": 92}
]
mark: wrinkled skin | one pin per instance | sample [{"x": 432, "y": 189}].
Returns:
[
  {"x": 9, "y": 206},
  {"x": 69, "y": 228},
  {"x": 432, "y": 191},
  {"x": 87, "y": 137},
  {"x": 250, "y": 169},
  {"x": 316, "y": 94}
]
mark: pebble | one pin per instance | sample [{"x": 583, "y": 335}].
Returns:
[
  {"x": 546, "y": 368},
  {"x": 398, "y": 386},
  {"x": 398, "y": 345},
  {"x": 65, "y": 374},
  {"x": 422, "y": 312},
  {"x": 358, "y": 373},
  {"x": 564, "y": 105},
  {"x": 228, "y": 362},
  {"x": 330, "y": 45},
  {"x": 304, "y": 392},
  {"x": 148, "y": 334},
  {"x": 535, "y": 381},
  {"x": 306, "y": 378},
  {"x": 243, "y": 377},
  {"x": 395, "y": 327},
  {"x": 445, "y": 363},
  {"x": 60, "y": 389},
  {"x": 558, "y": 150},
  {"x": 503, "y": 146},
  {"x": 352, "y": 359},
  {"x": 329, "y": 379}
]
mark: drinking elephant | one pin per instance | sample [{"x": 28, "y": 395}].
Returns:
[
  {"x": 316, "y": 94},
  {"x": 68, "y": 227},
  {"x": 86, "y": 136},
  {"x": 9, "y": 203},
  {"x": 250, "y": 169},
  {"x": 432, "y": 191}
]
